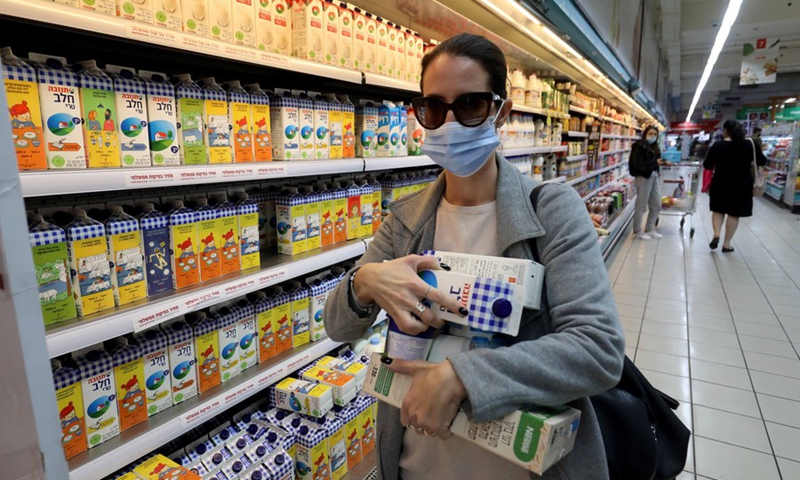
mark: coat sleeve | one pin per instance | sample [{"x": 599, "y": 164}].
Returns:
[
  {"x": 711, "y": 158},
  {"x": 761, "y": 160},
  {"x": 583, "y": 355},
  {"x": 341, "y": 322}
]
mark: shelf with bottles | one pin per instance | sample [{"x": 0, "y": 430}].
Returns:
[
  {"x": 543, "y": 96},
  {"x": 576, "y": 134},
  {"x": 524, "y": 131},
  {"x": 616, "y": 226},
  {"x": 593, "y": 174},
  {"x": 583, "y": 111}
]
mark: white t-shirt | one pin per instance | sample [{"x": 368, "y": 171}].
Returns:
[{"x": 465, "y": 230}]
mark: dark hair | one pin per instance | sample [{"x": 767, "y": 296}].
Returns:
[
  {"x": 734, "y": 129},
  {"x": 755, "y": 130},
  {"x": 476, "y": 48},
  {"x": 647, "y": 129}
]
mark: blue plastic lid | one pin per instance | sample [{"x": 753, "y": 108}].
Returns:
[
  {"x": 252, "y": 429},
  {"x": 256, "y": 475},
  {"x": 241, "y": 443},
  {"x": 279, "y": 459},
  {"x": 201, "y": 449},
  {"x": 246, "y": 418},
  {"x": 502, "y": 307},
  {"x": 237, "y": 466},
  {"x": 375, "y": 341},
  {"x": 295, "y": 422},
  {"x": 272, "y": 437},
  {"x": 217, "y": 458},
  {"x": 261, "y": 450},
  {"x": 304, "y": 430},
  {"x": 280, "y": 414}
]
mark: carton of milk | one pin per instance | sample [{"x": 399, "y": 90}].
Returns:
[
  {"x": 244, "y": 23},
  {"x": 156, "y": 249},
  {"x": 125, "y": 254},
  {"x": 107, "y": 7},
  {"x": 129, "y": 381},
  {"x": 22, "y": 94},
  {"x": 139, "y": 10},
  {"x": 190, "y": 101},
  {"x": 366, "y": 129},
  {"x": 162, "y": 116},
  {"x": 394, "y": 130},
  {"x": 321, "y": 126},
  {"x": 419, "y": 52},
  {"x": 158, "y": 467},
  {"x": 384, "y": 128},
  {"x": 336, "y": 122},
  {"x": 182, "y": 360},
  {"x": 132, "y": 128},
  {"x": 247, "y": 334},
  {"x": 88, "y": 254},
  {"x": 241, "y": 118},
  {"x": 285, "y": 126},
  {"x": 265, "y": 322},
  {"x": 391, "y": 58},
  {"x": 355, "y": 369},
  {"x": 49, "y": 248},
  {"x": 282, "y": 314},
  {"x": 69, "y": 398},
  {"x": 348, "y": 127},
  {"x": 319, "y": 293},
  {"x": 99, "y": 117},
  {"x": 414, "y": 133},
  {"x": 208, "y": 233},
  {"x": 157, "y": 378},
  {"x": 247, "y": 232},
  {"x": 409, "y": 64},
  {"x": 331, "y": 33},
  {"x": 402, "y": 146},
  {"x": 345, "y": 59},
  {"x": 99, "y": 394},
  {"x": 383, "y": 58},
  {"x": 305, "y": 115},
  {"x": 217, "y": 122},
  {"x": 527, "y": 274},
  {"x": 230, "y": 256},
  {"x": 371, "y": 47},
  {"x": 168, "y": 14},
  {"x": 264, "y": 39},
  {"x": 301, "y": 321},
  {"x": 220, "y": 20},
  {"x": 260, "y": 123},
  {"x": 304, "y": 397},
  {"x": 196, "y": 18},
  {"x": 400, "y": 59},
  {"x": 326, "y": 216},
  {"x": 183, "y": 245},
  {"x": 307, "y": 29},
  {"x": 228, "y": 343},
  {"x": 534, "y": 438},
  {"x": 312, "y": 452},
  {"x": 291, "y": 222},
  {"x": 340, "y": 212},
  {"x": 313, "y": 224},
  {"x": 359, "y": 37},
  {"x": 282, "y": 25},
  {"x": 343, "y": 385},
  {"x": 60, "y": 98},
  {"x": 206, "y": 349}
]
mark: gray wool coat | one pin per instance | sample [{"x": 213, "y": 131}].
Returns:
[{"x": 571, "y": 349}]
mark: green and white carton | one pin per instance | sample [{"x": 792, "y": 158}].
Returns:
[
  {"x": 49, "y": 246},
  {"x": 535, "y": 438}
]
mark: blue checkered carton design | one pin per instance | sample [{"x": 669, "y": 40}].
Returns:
[
  {"x": 132, "y": 85},
  {"x": 156, "y": 251},
  {"x": 65, "y": 375},
  {"x": 158, "y": 89},
  {"x": 259, "y": 98},
  {"x": 43, "y": 233},
  {"x": 205, "y": 326},
  {"x": 182, "y": 216},
  {"x": 84, "y": 228},
  {"x": 182, "y": 91},
  {"x": 246, "y": 207},
  {"x": 206, "y": 213},
  {"x": 484, "y": 293},
  {"x": 96, "y": 81},
  {"x": 151, "y": 340},
  {"x": 178, "y": 332},
  {"x": 226, "y": 209},
  {"x": 245, "y": 310},
  {"x": 238, "y": 97},
  {"x": 119, "y": 224},
  {"x": 18, "y": 71},
  {"x": 280, "y": 464},
  {"x": 314, "y": 436},
  {"x": 215, "y": 93},
  {"x": 94, "y": 363},
  {"x": 122, "y": 354},
  {"x": 55, "y": 76}
]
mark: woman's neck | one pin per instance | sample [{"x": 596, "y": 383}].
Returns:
[{"x": 479, "y": 189}]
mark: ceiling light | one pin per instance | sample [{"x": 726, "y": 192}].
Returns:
[
  {"x": 790, "y": 100},
  {"x": 727, "y": 22}
]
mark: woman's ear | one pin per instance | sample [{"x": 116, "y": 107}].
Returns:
[{"x": 505, "y": 111}]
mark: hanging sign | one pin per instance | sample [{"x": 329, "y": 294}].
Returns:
[{"x": 760, "y": 61}]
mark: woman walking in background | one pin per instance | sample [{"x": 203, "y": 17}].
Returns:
[
  {"x": 644, "y": 167},
  {"x": 731, "y": 189}
]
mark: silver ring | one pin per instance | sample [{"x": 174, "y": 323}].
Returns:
[
  {"x": 425, "y": 295},
  {"x": 428, "y": 434},
  {"x": 420, "y": 308},
  {"x": 419, "y": 430}
]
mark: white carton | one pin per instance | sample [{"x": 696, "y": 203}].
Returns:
[
  {"x": 244, "y": 23},
  {"x": 168, "y": 14},
  {"x": 283, "y": 115},
  {"x": 282, "y": 26},
  {"x": 265, "y": 40},
  {"x": 419, "y": 52},
  {"x": 139, "y": 10},
  {"x": 108, "y": 7},
  {"x": 345, "y": 36},
  {"x": 383, "y": 58},
  {"x": 99, "y": 394},
  {"x": 535, "y": 438},
  {"x": 359, "y": 58},
  {"x": 307, "y": 29},
  {"x": 400, "y": 52},
  {"x": 162, "y": 116},
  {"x": 196, "y": 17},
  {"x": 305, "y": 116},
  {"x": 322, "y": 128},
  {"x": 371, "y": 51},
  {"x": 526, "y": 273},
  {"x": 331, "y": 34},
  {"x": 129, "y": 96},
  {"x": 410, "y": 63},
  {"x": 304, "y": 397},
  {"x": 221, "y": 20}
]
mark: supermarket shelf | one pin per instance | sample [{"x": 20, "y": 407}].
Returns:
[
  {"x": 540, "y": 111},
  {"x": 62, "y": 182},
  {"x": 574, "y": 158},
  {"x": 782, "y": 161},
  {"x": 379, "y": 80},
  {"x": 168, "y": 425},
  {"x": 609, "y": 119},
  {"x": 617, "y": 228},
  {"x": 612, "y": 152},
  {"x": 387, "y": 163},
  {"x": 62, "y": 15},
  {"x": 594, "y": 173},
  {"x": 513, "y": 152},
  {"x": 367, "y": 469},
  {"x": 773, "y": 194},
  {"x": 594, "y": 192},
  {"x": 573, "y": 108},
  {"x": 775, "y": 170},
  {"x": 776, "y": 185},
  {"x": 621, "y": 137},
  {"x": 573, "y": 133},
  {"x": 65, "y": 338},
  {"x": 556, "y": 180}
]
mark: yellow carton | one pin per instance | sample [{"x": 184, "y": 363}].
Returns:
[
  {"x": 206, "y": 346},
  {"x": 282, "y": 26},
  {"x": 160, "y": 467},
  {"x": 355, "y": 369},
  {"x": 99, "y": 394},
  {"x": 88, "y": 254},
  {"x": 312, "y": 453},
  {"x": 337, "y": 448},
  {"x": 228, "y": 224},
  {"x": 100, "y": 117},
  {"x": 303, "y": 397},
  {"x": 129, "y": 376},
  {"x": 125, "y": 252},
  {"x": 241, "y": 117},
  {"x": 340, "y": 212},
  {"x": 262, "y": 128},
  {"x": 217, "y": 122},
  {"x": 67, "y": 380},
  {"x": 247, "y": 213},
  {"x": 183, "y": 241},
  {"x": 209, "y": 234},
  {"x": 301, "y": 320},
  {"x": 349, "y": 417},
  {"x": 265, "y": 326},
  {"x": 22, "y": 94},
  {"x": 313, "y": 223},
  {"x": 342, "y": 384},
  {"x": 291, "y": 222}
]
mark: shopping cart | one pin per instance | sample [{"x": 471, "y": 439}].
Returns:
[{"x": 680, "y": 185}]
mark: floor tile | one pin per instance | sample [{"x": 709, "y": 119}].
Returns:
[
  {"x": 667, "y": 295},
  {"x": 635, "y": 311},
  {"x": 731, "y": 428},
  {"x": 721, "y": 374},
  {"x": 630, "y": 323},
  {"x": 626, "y": 299},
  {"x": 789, "y": 469},
  {"x": 713, "y": 337},
  {"x": 710, "y": 310},
  {"x": 761, "y": 331},
  {"x": 671, "y": 305},
  {"x": 719, "y": 460},
  {"x": 665, "y": 315},
  {"x": 714, "y": 323},
  {"x": 767, "y": 346},
  {"x": 664, "y": 329},
  {"x": 661, "y": 362},
  {"x": 725, "y": 398},
  {"x": 631, "y": 339},
  {"x": 713, "y": 353},
  {"x": 785, "y": 440},
  {"x": 656, "y": 343},
  {"x": 685, "y": 476},
  {"x": 674, "y": 386},
  {"x": 779, "y": 410},
  {"x": 776, "y": 385},
  {"x": 771, "y": 364},
  {"x": 632, "y": 289},
  {"x": 755, "y": 317},
  {"x": 630, "y": 352},
  {"x": 784, "y": 309}
]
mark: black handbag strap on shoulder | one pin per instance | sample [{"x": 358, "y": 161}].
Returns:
[{"x": 642, "y": 436}]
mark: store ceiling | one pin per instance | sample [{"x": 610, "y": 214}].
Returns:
[{"x": 689, "y": 28}]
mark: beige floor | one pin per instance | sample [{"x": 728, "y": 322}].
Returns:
[{"x": 721, "y": 333}]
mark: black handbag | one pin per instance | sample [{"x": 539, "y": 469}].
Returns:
[{"x": 642, "y": 436}]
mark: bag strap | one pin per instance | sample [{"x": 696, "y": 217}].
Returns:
[
  {"x": 534, "y": 203},
  {"x": 753, "y": 144}
]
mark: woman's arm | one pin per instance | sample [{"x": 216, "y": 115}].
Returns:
[
  {"x": 584, "y": 354},
  {"x": 761, "y": 160},
  {"x": 711, "y": 158}
]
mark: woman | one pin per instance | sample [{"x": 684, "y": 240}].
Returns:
[
  {"x": 731, "y": 192},
  {"x": 573, "y": 348},
  {"x": 644, "y": 167}
]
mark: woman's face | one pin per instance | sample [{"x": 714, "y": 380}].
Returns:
[
  {"x": 448, "y": 77},
  {"x": 651, "y": 136}
]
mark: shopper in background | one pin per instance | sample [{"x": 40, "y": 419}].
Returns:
[
  {"x": 644, "y": 166},
  {"x": 571, "y": 349},
  {"x": 756, "y": 136},
  {"x": 731, "y": 192}
]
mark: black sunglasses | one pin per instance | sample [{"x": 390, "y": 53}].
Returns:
[{"x": 470, "y": 109}]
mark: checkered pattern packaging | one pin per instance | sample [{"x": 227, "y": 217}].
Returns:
[
  {"x": 158, "y": 89},
  {"x": 190, "y": 92},
  {"x": 132, "y": 85},
  {"x": 313, "y": 437},
  {"x": 246, "y": 207},
  {"x": 264, "y": 304},
  {"x": 215, "y": 93},
  {"x": 62, "y": 77},
  {"x": 182, "y": 216},
  {"x": 178, "y": 332},
  {"x": 238, "y": 97},
  {"x": 43, "y": 233},
  {"x": 96, "y": 80},
  {"x": 484, "y": 292},
  {"x": 226, "y": 209},
  {"x": 244, "y": 310},
  {"x": 204, "y": 326},
  {"x": 152, "y": 220},
  {"x": 259, "y": 99},
  {"x": 292, "y": 200},
  {"x": 349, "y": 412},
  {"x": 84, "y": 228},
  {"x": 304, "y": 370},
  {"x": 101, "y": 364},
  {"x": 299, "y": 293},
  {"x": 279, "y": 463},
  {"x": 21, "y": 72},
  {"x": 125, "y": 353},
  {"x": 205, "y": 213},
  {"x": 151, "y": 340},
  {"x": 280, "y": 101},
  {"x": 65, "y": 375},
  {"x": 121, "y": 223},
  {"x": 226, "y": 317}
]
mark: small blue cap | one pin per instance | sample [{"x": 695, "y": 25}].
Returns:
[
  {"x": 237, "y": 466},
  {"x": 256, "y": 475},
  {"x": 501, "y": 307},
  {"x": 375, "y": 341},
  {"x": 272, "y": 437},
  {"x": 252, "y": 429},
  {"x": 200, "y": 449},
  {"x": 225, "y": 434},
  {"x": 241, "y": 443},
  {"x": 261, "y": 450},
  {"x": 279, "y": 459},
  {"x": 217, "y": 458}
]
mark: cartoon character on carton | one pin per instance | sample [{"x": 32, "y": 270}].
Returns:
[
  {"x": 133, "y": 397},
  {"x": 71, "y": 425},
  {"x": 209, "y": 363},
  {"x": 187, "y": 260},
  {"x": 210, "y": 250}
]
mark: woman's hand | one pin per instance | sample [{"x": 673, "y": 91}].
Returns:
[
  {"x": 434, "y": 397},
  {"x": 396, "y": 288},
  {"x": 662, "y": 162}
]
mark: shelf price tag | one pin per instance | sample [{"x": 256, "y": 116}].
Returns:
[
  {"x": 271, "y": 171},
  {"x": 240, "y": 53},
  {"x": 273, "y": 60},
  {"x": 270, "y": 277},
  {"x": 239, "y": 172},
  {"x": 271, "y": 377},
  {"x": 195, "y": 415},
  {"x": 197, "y": 301},
  {"x": 194, "y": 42},
  {"x": 198, "y": 176},
  {"x": 151, "y": 34},
  {"x": 240, "y": 288},
  {"x": 153, "y": 316},
  {"x": 149, "y": 179},
  {"x": 235, "y": 396},
  {"x": 299, "y": 362}
]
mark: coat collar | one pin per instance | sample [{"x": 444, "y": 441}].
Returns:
[{"x": 516, "y": 220}]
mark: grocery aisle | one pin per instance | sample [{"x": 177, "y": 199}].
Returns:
[{"x": 721, "y": 333}]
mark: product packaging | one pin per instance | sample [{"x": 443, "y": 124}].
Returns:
[
  {"x": 129, "y": 377},
  {"x": 99, "y": 117},
  {"x": 326, "y": 216},
  {"x": 319, "y": 293},
  {"x": 206, "y": 346},
  {"x": 196, "y": 17},
  {"x": 247, "y": 334},
  {"x": 301, "y": 323},
  {"x": 217, "y": 120},
  {"x": 340, "y": 212},
  {"x": 182, "y": 360},
  {"x": 353, "y": 210},
  {"x": 355, "y": 369},
  {"x": 366, "y": 422},
  {"x": 162, "y": 115},
  {"x": 291, "y": 222},
  {"x": 22, "y": 94},
  {"x": 377, "y": 212},
  {"x": 366, "y": 129},
  {"x": 321, "y": 126},
  {"x": 419, "y": 50},
  {"x": 140, "y": 10},
  {"x": 220, "y": 20},
  {"x": 282, "y": 311},
  {"x": 49, "y": 248},
  {"x": 280, "y": 465},
  {"x": 366, "y": 208},
  {"x": 359, "y": 38},
  {"x": 400, "y": 55},
  {"x": 349, "y": 417},
  {"x": 282, "y": 16},
  {"x": 262, "y": 136},
  {"x": 346, "y": 28},
  {"x": 132, "y": 128},
  {"x": 414, "y": 132},
  {"x": 125, "y": 254},
  {"x": 312, "y": 452},
  {"x": 60, "y": 101},
  {"x": 155, "y": 248},
  {"x": 383, "y": 60},
  {"x": 337, "y": 448},
  {"x": 241, "y": 117},
  {"x": 209, "y": 234},
  {"x": 348, "y": 127},
  {"x": 402, "y": 147},
  {"x": 265, "y": 40},
  {"x": 168, "y": 14},
  {"x": 304, "y": 397},
  {"x": 307, "y": 29},
  {"x": 285, "y": 126},
  {"x": 69, "y": 399},
  {"x": 305, "y": 116},
  {"x": 230, "y": 258},
  {"x": 331, "y": 35},
  {"x": 157, "y": 379},
  {"x": 247, "y": 214},
  {"x": 410, "y": 62},
  {"x": 336, "y": 121},
  {"x": 190, "y": 100},
  {"x": 265, "y": 325},
  {"x": 183, "y": 242},
  {"x": 408, "y": 347},
  {"x": 385, "y": 128},
  {"x": 99, "y": 395},
  {"x": 534, "y": 438},
  {"x": 343, "y": 386},
  {"x": 159, "y": 467},
  {"x": 227, "y": 320}
]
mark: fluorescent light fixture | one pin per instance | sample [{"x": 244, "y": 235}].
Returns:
[
  {"x": 790, "y": 100},
  {"x": 727, "y": 22}
]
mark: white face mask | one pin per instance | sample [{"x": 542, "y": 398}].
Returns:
[
  {"x": 461, "y": 150},
  {"x": 652, "y": 140}
]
